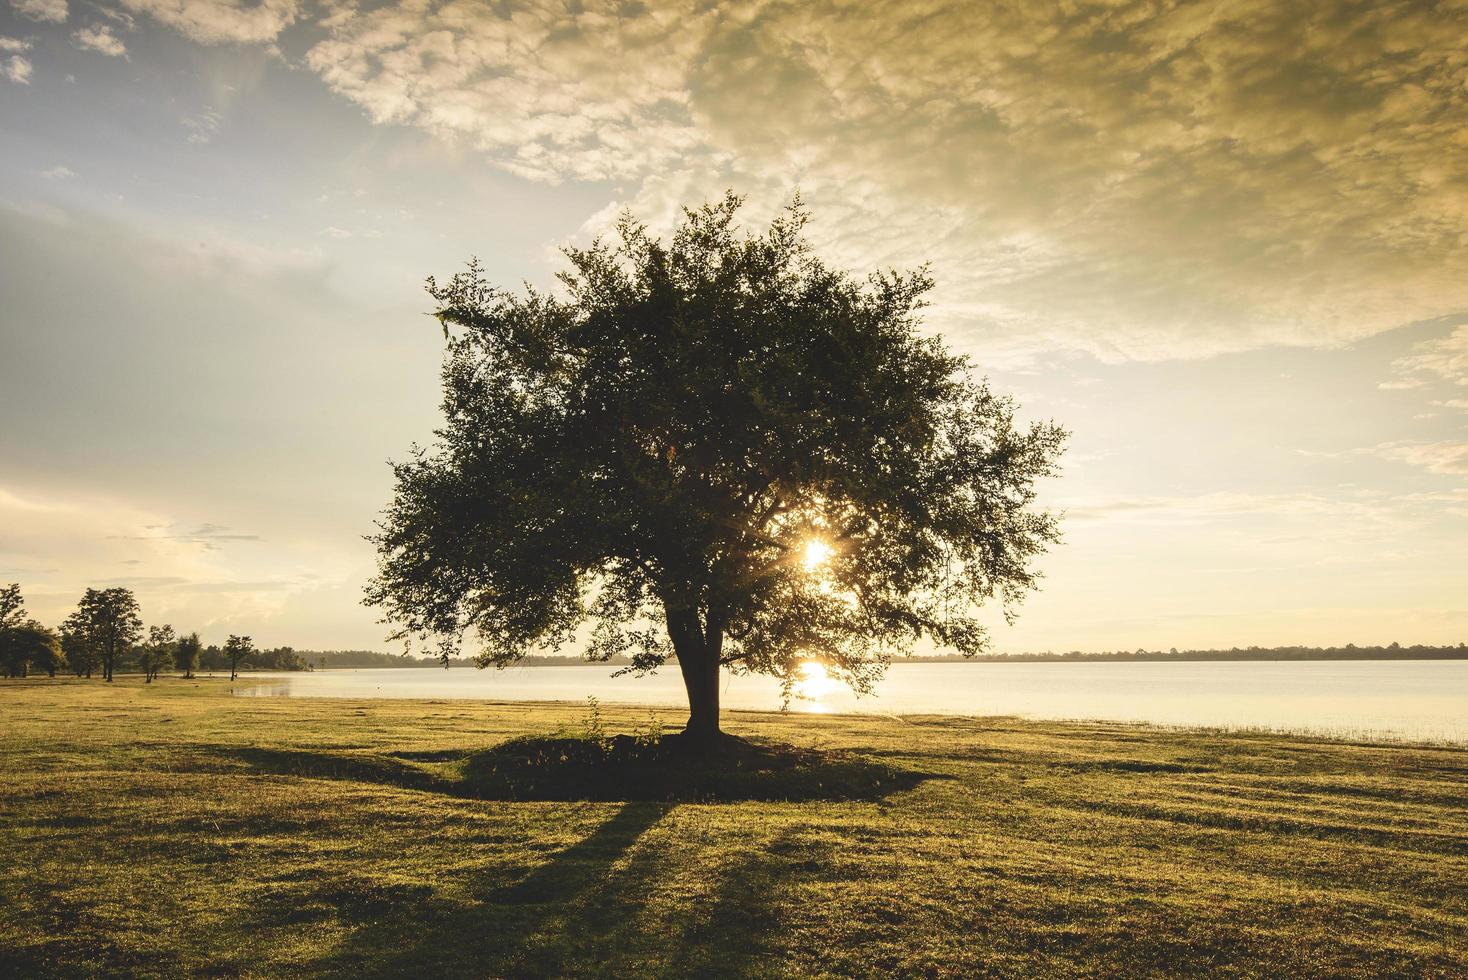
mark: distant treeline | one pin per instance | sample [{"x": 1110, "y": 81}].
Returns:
[
  {"x": 1395, "y": 651},
  {"x": 105, "y": 635},
  {"x": 1350, "y": 651},
  {"x": 330, "y": 659},
  {"x": 333, "y": 659}
]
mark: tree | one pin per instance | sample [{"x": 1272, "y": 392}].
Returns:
[
  {"x": 714, "y": 448},
  {"x": 25, "y": 643},
  {"x": 158, "y": 652},
  {"x": 186, "y": 654},
  {"x": 79, "y": 646},
  {"x": 48, "y": 654},
  {"x": 237, "y": 648},
  {"x": 12, "y": 618},
  {"x": 111, "y": 621},
  {"x": 31, "y": 645},
  {"x": 12, "y": 607}
]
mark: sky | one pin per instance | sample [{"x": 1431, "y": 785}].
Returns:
[{"x": 1225, "y": 244}]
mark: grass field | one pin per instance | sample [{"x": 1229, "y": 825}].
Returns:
[{"x": 173, "y": 829}]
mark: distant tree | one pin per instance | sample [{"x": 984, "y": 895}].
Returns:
[
  {"x": 236, "y": 650},
  {"x": 186, "y": 654},
  {"x": 12, "y": 618},
  {"x": 112, "y": 623},
  {"x": 30, "y": 645},
  {"x": 49, "y": 654},
  {"x": 158, "y": 652},
  {"x": 12, "y": 606},
  {"x": 715, "y": 448},
  {"x": 79, "y": 646}
]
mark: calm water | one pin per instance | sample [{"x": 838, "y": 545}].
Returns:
[{"x": 1409, "y": 700}]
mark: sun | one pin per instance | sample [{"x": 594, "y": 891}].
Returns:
[
  {"x": 814, "y": 681},
  {"x": 817, "y": 553}
]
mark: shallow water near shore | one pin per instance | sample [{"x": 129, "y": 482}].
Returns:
[{"x": 1409, "y": 700}]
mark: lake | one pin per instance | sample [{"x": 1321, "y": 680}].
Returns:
[{"x": 1416, "y": 700}]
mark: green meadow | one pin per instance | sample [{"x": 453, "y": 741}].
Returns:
[{"x": 172, "y": 829}]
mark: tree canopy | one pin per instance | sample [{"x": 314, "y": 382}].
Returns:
[
  {"x": 12, "y": 607},
  {"x": 12, "y": 616},
  {"x": 186, "y": 654},
  {"x": 236, "y": 650},
  {"x": 79, "y": 645},
  {"x": 30, "y": 646},
  {"x": 108, "y": 621},
  {"x": 714, "y": 447},
  {"x": 158, "y": 652},
  {"x": 25, "y": 643}
]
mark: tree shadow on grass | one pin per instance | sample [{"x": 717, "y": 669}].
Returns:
[
  {"x": 617, "y": 769},
  {"x": 605, "y": 899},
  {"x": 526, "y": 920},
  {"x": 588, "y": 903},
  {"x": 598, "y": 907}
]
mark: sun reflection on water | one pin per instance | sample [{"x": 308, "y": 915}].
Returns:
[{"x": 813, "y": 681}]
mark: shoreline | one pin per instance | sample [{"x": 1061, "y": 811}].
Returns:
[{"x": 1355, "y": 737}]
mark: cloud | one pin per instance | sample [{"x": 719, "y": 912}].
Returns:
[
  {"x": 58, "y": 172},
  {"x": 16, "y": 69},
  {"x": 59, "y": 542},
  {"x": 221, "y": 21},
  {"x": 208, "y": 536},
  {"x": 1135, "y": 180},
  {"x": 203, "y": 126},
  {"x": 50, "y": 11},
  {"x": 1442, "y": 359},
  {"x": 335, "y": 232},
  {"x": 1446, "y": 458},
  {"x": 176, "y": 583},
  {"x": 592, "y": 92},
  {"x": 121, "y": 18},
  {"x": 1358, "y": 511},
  {"x": 99, "y": 38}
]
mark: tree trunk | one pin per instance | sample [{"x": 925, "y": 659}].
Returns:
[
  {"x": 702, "y": 682},
  {"x": 698, "y": 660}
]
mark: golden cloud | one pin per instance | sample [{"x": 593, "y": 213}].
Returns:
[{"x": 1134, "y": 179}]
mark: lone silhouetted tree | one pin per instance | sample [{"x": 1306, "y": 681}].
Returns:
[
  {"x": 237, "y": 648},
  {"x": 186, "y": 654},
  {"x": 714, "y": 447},
  {"x": 110, "y": 620}
]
